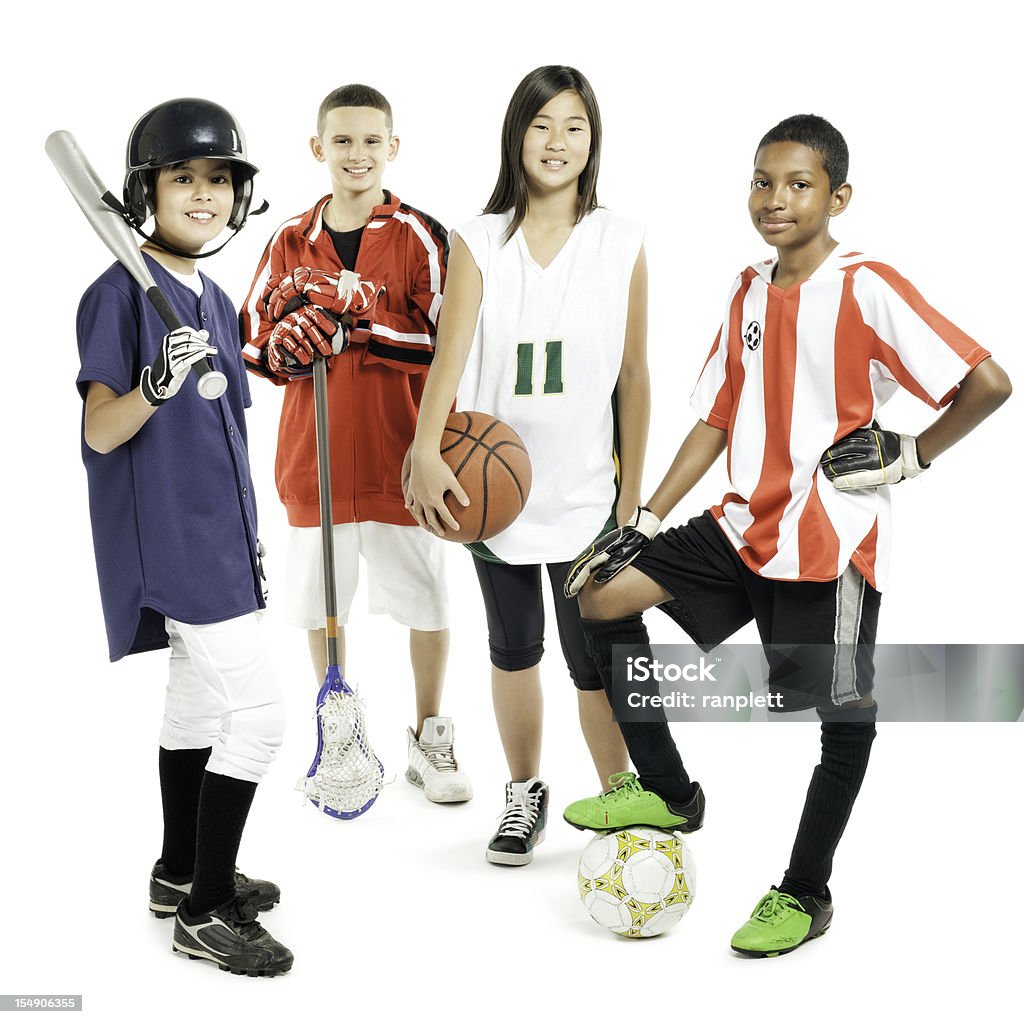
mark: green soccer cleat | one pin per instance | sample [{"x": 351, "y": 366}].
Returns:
[
  {"x": 630, "y": 804},
  {"x": 781, "y": 922}
]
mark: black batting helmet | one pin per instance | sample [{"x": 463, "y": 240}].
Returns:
[{"x": 180, "y": 130}]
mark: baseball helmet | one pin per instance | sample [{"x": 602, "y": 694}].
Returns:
[{"x": 180, "y": 130}]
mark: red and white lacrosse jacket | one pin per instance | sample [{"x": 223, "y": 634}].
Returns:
[{"x": 373, "y": 387}]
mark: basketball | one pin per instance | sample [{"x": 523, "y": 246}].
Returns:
[{"x": 490, "y": 460}]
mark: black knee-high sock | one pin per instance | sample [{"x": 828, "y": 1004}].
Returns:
[
  {"x": 223, "y": 808},
  {"x": 181, "y": 779},
  {"x": 845, "y": 747},
  {"x": 651, "y": 747}
]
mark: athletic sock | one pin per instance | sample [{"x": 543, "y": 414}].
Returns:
[
  {"x": 836, "y": 781},
  {"x": 181, "y": 779},
  {"x": 651, "y": 747},
  {"x": 223, "y": 808}
]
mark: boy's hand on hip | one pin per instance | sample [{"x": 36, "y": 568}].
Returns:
[
  {"x": 178, "y": 352},
  {"x": 870, "y": 457}
]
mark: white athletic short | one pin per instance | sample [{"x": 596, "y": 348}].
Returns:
[
  {"x": 406, "y": 578},
  {"x": 222, "y": 692}
]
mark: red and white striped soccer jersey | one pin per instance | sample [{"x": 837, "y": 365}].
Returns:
[{"x": 793, "y": 370}]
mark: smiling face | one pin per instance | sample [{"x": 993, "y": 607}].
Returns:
[
  {"x": 791, "y": 201},
  {"x": 556, "y": 146},
  {"x": 356, "y": 146},
  {"x": 193, "y": 201}
]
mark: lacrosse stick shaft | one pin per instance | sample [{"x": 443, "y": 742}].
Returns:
[{"x": 323, "y": 465}]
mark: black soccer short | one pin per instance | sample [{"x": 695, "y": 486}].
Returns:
[
  {"x": 514, "y": 602},
  {"x": 819, "y": 638}
]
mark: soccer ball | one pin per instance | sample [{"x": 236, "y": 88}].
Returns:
[{"x": 638, "y": 882}]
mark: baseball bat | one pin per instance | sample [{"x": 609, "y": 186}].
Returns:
[{"x": 89, "y": 192}]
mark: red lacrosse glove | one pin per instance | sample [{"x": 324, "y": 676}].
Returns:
[
  {"x": 342, "y": 293},
  {"x": 282, "y": 289},
  {"x": 300, "y": 335}
]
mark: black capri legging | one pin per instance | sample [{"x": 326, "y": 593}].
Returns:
[{"x": 514, "y": 603}]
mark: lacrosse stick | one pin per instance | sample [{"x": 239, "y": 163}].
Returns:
[{"x": 345, "y": 776}]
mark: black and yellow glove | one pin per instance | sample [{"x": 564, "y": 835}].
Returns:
[{"x": 614, "y": 551}]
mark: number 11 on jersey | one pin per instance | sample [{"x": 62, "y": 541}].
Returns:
[{"x": 553, "y": 381}]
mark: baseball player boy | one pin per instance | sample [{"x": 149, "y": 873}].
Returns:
[
  {"x": 812, "y": 343},
  {"x": 358, "y": 278},
  {"x": 174, "y": 526}
]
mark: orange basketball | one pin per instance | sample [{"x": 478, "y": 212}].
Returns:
[{"x": 490, "y": 460}]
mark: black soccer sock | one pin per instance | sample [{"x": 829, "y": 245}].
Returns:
[
  {"x": 223, "y": 808},
  {"x": 651, "y": 747},
  {"x": 845, "y": 747},
  {"x": 181, "y": 778}
]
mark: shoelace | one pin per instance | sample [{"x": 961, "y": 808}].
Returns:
[
  {"x": 519, "y": 816},
  {"x": 625, "y": 784},
  {"x": 242, "y": 915},
  {"x": 775, "y": 903},
  {"x": 440, "y": 755}
]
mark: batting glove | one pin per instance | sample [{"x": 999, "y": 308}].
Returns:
[
  {"x": 871, "y": 457},
  {"x": 300, "y": 336},
  {"x": 614, "y": 551},
  {"x": 178, "y": 351}
]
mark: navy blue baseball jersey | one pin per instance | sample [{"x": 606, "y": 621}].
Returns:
[{"x": 173, "y": 509}]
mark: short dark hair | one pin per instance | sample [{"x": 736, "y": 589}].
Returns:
[
  {"x": 818, "y": 134},
  {"x": 539, "y": 86},
  {"x": 354, "y": 95}
]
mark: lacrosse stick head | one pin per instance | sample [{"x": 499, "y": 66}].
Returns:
[{"x": 345, "y": 777}]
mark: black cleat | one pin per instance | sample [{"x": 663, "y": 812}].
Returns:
[
  {"x": 232, "y": 938},
  {"x": 166, "y": 891}
]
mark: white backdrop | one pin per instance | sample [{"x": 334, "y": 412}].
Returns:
[{"x": 398, "y": 913}]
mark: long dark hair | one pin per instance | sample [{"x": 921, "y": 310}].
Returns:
[{"x": 539, "y": 86}]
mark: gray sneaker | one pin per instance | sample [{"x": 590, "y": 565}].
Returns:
[{"x": 432, "y": 764}]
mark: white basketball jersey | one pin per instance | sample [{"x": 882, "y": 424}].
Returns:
[{"x": 545, "y": 359}]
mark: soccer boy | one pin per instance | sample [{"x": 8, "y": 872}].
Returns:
[{"x": 812, "y": 343}]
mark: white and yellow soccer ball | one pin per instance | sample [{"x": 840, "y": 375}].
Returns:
[{"x": 638, "y": 882}]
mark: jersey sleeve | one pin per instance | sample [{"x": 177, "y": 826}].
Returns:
[
  {"x": 713, "y": 398},
  {"x": 918, "y": 347},
  {"x": 401, "y": 332},
  {"x": 108, "y": 339}
]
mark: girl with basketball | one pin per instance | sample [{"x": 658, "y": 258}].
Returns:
[{"x": 544, "y": 327}]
